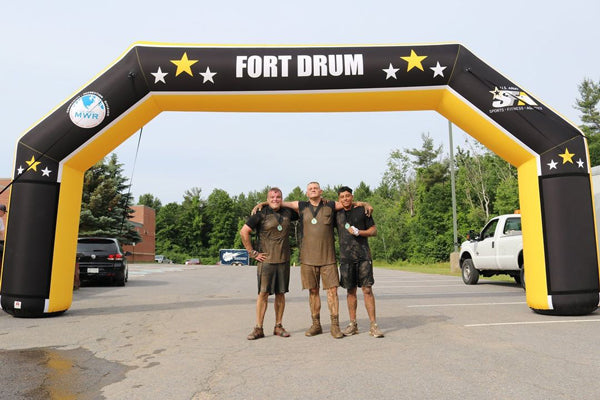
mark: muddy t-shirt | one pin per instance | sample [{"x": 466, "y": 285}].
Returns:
[
  {"x": 353, "y": 248},
  {"x": 272, "y": 240},
  {"x": 317, "y": 223}
]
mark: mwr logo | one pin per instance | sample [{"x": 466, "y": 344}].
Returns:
[
  {"x": 88, "y": 110},
  {"x": 509, "y": 98}
]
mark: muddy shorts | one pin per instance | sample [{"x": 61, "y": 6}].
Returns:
[
  {"x": 273, "y": 278},
  {"x": 311, "y": 274},
  {"x": 356, "y": 273}
]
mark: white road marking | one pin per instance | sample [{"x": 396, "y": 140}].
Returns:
[
  {"x": 418, "y": 280},
  {"x": 466, "y": 304},
  {"x": 532, "y": 322},
  {"x": 412, "y": 286},
  {"x": 417, "y": 294}
]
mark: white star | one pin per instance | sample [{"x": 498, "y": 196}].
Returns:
[
  {"x": 208, "y": 76},
  {"x": 438, "y": 70},
  {"x": 46, "y": 172},
  {"x": 579, "y": 163},
  {"x": 497, "y": 93},
  {"x": 19, "y": 170},
  {"x": 552, "y": 164},
  {"x": 391, "y": 72},
  {"x": 159, "y": 76}
]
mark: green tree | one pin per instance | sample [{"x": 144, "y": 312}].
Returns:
[
  {"x": 149, "y": 200},
  {"x": 105, "y": 203},
  {"x": 413, "y": 205},
  {"x": 169, "y": 231},
  {"x": 507, "y": 195},
  {"x": 329, "y": 192},
  {"x": 193, "y": 220},
  {"x": 391, "y": 242},
  {"x": 431, "y": 223},
  {"x": 222, "y": 221},
  {"x": 296, "y": 194},
  {"x": 590, "y": 116},
  {"x": 362, "y": 191},
  {"x": 399, "y": 180}
]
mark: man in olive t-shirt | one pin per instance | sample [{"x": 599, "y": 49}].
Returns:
[{"x": 317, "y": 256}]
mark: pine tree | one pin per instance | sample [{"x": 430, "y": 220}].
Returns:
[
  {"x": 105, "y": 203},
  {"x": 588, "y": 105}
]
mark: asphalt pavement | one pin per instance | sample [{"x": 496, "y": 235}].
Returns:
[{"x": 179, "y": 332}]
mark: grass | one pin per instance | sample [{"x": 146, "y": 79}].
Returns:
[{"x": 442, "y": 268}]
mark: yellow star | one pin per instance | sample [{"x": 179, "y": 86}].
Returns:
[
  {"x": 184, "y": 65},
  {"x": 567, "y": 157},
  {"x": 414, "y": 60},
  {"x": 32, "y": 164}
]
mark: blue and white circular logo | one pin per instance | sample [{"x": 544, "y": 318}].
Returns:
[{"x": 88, "y": 110}]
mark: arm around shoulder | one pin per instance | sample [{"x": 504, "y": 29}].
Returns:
[{"x": 290, "y": 204}]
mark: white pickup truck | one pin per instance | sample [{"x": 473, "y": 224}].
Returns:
[{"x": 498, "y": 249}]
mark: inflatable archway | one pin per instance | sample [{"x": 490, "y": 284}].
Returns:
[{"x": 560, "y": 246}]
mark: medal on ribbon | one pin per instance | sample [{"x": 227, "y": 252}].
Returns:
[{"x": 314, "y": 212}]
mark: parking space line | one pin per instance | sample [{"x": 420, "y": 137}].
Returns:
[
  {"x": 416, "y": 280},
  {"x": 442, "y": 294},
  {"x": 532, "y": 322},
  {"x": 414, "y": 286},
  {"x": 467, "y": 304}
]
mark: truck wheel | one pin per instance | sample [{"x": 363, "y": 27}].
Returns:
[
  {"x": 518, "y": 279},
  {"x": 470, "y": 274},
  {"x": 522, "y": 275}
]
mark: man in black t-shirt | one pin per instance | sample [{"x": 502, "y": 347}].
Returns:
[
  {"x": 272, "y": 224},
  {"x": 356, "y": 266}
]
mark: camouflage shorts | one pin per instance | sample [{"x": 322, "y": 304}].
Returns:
[{"x": 356, "y": 273}]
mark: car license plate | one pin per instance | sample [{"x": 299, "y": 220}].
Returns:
[{"x": 93, "y": 270}]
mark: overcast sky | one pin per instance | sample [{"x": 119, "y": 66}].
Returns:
[{"x": 51, "y": 49}]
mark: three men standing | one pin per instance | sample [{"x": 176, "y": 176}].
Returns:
[{"x": 317, "y": 219}]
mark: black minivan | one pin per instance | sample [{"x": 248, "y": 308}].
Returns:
[{"x": 102, "y": 258}]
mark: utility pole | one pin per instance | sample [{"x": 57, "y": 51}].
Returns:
[{"x": 453, "y": 187}]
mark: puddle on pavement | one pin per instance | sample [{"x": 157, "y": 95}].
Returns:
[{"x": 56, "y": 374}]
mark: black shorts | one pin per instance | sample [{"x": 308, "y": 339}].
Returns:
[
  {"x": 356, "y": 273},
  {"x": 273, "y": 278}
]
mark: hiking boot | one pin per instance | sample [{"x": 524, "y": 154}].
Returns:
[
  {"x": 374, "y": 331},
  {"x": 256, "y": 333},
  {"x": 315, "y": 328},
  {"x": 335, "y": 328},
  {"x": 351, "y": 329},
  {"x": 279, "y": 330}
]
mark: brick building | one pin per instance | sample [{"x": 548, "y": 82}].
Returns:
[{"x": 144, "y": 220}]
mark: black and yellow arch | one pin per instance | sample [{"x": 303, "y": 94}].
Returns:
[{"x": 551, "y": 154}]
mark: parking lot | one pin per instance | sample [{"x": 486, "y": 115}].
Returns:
[{"x": 179, "y": 332}]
